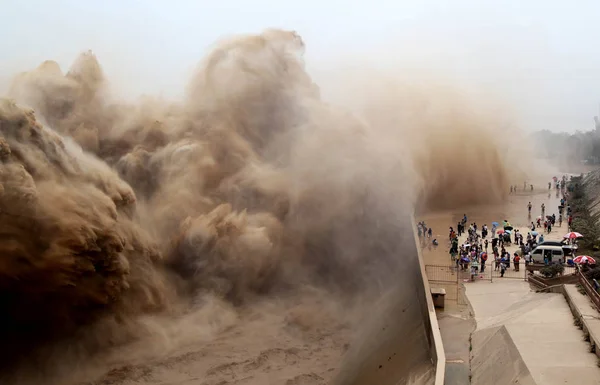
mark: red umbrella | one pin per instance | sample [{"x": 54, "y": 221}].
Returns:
[
  {"x": 501, "y": 231},
  {"x": 572, "y": 235},
  {"x": 584, "y": 259}
]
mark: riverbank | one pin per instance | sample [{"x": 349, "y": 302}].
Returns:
[{"x": 464, "y": 323}]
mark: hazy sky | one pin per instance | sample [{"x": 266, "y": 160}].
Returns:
[{"x": 540, "y": 56}]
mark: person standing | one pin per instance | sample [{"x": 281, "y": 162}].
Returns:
[
  {"x": 543, "y": 209},
  {"x": 484, "y": 258},
  {"x": 502, "y": 266}
]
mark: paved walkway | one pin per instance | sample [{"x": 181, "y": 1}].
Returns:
[
  {"x": 456, "y": 328},
  {"x": 589, "y": 315},
  {"x": 541, "y": 328}
]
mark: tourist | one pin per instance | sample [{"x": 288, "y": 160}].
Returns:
[
  {"x": 502, "y": 266},
  {"x": 484, "y": 258}
]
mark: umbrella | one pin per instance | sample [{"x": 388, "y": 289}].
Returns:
[
  {"x": 509, "y": 227},
  {"x": 500, "y": 231},
  {"x": 508, "y": 231},
  {"x": 495, "y": 224},
  {"x": 572, "y": 235},
  {"x": 584, "y": 259},
  {"x": 534, "y": 233}
]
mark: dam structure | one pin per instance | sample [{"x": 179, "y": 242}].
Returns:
[{"x": 401, "y": 342}]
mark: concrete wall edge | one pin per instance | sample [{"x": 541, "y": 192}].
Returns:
[{"x": 440, "y": 355}]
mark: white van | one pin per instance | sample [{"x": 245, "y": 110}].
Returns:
[{"x": 556, "y": 253}]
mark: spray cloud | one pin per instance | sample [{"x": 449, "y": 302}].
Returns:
[{"x": 253, "y": 185}]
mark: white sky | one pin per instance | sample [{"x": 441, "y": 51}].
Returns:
[{"x": 540, "y": 56}]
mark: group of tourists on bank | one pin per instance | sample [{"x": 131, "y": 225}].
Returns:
[{"x": 472, "y": 254}]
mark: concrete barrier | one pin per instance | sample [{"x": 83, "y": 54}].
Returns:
[
  {"x": 495, "y": 360},
  {"x": 589, "y": 289},
  {"x": 585, "y": 315},
  {"x": 400, "y": 342}
]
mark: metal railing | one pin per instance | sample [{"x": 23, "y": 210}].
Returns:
[
  {"x": 450, "y": 278},
  {"x": 441, "y": 273},
  {"x": 589, "y": 288}
]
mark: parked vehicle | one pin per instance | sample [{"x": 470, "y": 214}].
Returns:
[
  {"x": 554, "y": 254},
  {"x": 569, "y": 250}
]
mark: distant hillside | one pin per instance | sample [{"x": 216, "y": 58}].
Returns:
[{"x": 582, "y": 147}]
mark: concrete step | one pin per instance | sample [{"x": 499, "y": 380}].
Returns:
[
  {"x": 588, "y": 316},
  {"x": 535, "y": 332}
]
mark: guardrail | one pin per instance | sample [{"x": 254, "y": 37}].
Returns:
[{"x": 589, "y": 289}]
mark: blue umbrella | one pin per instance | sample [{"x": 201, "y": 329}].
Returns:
[
  {"x": 495, "y": 224},
  {"x": 507, "y": 231},
  {"x": 534, "y": 233}
]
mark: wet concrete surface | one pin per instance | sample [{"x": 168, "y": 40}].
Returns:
[
  {"x": 537, "y": 328},
  {"x": 399, "y": 342},
  {"x": 514, "y": 210},
  {"x": 456, "y": 328}
]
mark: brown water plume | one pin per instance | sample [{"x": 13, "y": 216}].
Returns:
[
  {"x": 252, "y": 186},
  {"x": 461, "y": 151}
]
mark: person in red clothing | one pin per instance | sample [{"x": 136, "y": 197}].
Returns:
[
  {"x": 516, "y": 261},
  {"x": 570, "y": 221},
  {"x": 484, "y": 258}
]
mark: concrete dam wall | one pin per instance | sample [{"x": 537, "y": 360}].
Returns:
[{"x": 400, "y": 342}]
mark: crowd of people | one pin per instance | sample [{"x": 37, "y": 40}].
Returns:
[{"x": 472, "y": 254}]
